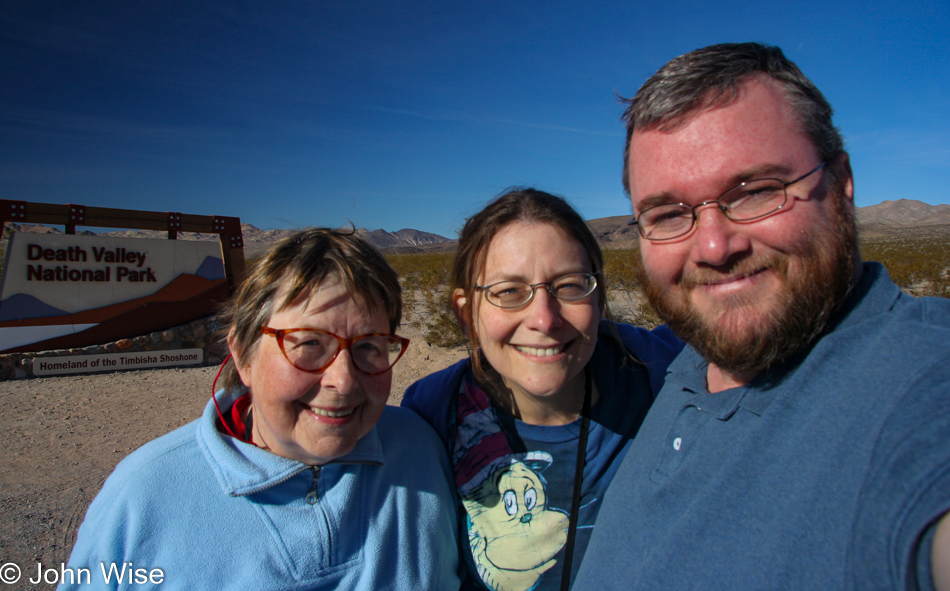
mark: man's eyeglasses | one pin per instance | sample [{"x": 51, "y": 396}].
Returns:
[
  {"x": 313, "y": 350},
  {"x": 512, "y": 294},
  {"x": 748, "y": 201}
]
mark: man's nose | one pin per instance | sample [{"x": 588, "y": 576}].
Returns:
[{"x": 716, "y": 238}]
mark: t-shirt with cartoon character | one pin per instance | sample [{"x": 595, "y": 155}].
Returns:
[
  {"x": 516, "y": 484},
  {"x": 516, "y": 481}
]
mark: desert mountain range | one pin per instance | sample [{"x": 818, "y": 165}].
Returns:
[{"x": 888, "y": 218}]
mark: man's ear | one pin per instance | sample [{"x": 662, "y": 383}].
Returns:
[
  {"x": 844, "y": 176},
  {"x": 244, "y": 370},
  {"x": 461, "y": 308}
]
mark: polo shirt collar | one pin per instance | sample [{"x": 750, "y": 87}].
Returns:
[
  {"x": 688, "y": 372},
  {"x": 873, "y": 295}
]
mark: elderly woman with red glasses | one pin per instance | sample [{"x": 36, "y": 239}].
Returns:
[{"x": 297, "y": 475}]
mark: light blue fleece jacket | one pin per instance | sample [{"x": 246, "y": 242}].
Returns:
[{"x": 213, "y": 512}]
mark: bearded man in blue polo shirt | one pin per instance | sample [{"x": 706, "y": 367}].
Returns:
[{"x": 802, "y": 439}]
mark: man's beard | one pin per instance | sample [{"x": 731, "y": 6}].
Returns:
[{"x": 812, "y": 295}]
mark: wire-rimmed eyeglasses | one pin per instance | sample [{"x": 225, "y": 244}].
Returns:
[
  {"x": 512, "y": 294},
  {"x": 745, "y": 202},
  {"x": 313, "y": 350}
]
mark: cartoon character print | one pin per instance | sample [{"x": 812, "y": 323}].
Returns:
[{"x": 512, "y": 533}]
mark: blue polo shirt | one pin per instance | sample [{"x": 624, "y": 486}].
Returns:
[{"x": 823, "y": 474}]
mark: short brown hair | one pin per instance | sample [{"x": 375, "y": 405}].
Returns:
[
  {"x": 515, "y": 205},
  {"x": 299, "y": 264}
]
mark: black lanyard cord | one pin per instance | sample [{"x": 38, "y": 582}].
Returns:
[{"x": 578, "y": 481}]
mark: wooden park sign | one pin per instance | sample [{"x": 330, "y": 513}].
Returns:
[{"x": 62, "y": 291}]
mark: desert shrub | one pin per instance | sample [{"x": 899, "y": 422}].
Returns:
[
  {"x": 425, "y": 283},
  {"x": 920, "y": 265},
  {"x": 628, "y": 303}
]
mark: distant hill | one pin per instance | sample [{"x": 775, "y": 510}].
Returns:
[
  {"x": 904, "y": 212},
  {"x": 613, "y": 229},
  {"x": 888, "y": 218},
  {"x": 405, "y": 240}
]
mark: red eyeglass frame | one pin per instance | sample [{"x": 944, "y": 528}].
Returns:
[{"x": 345, "y": 343}]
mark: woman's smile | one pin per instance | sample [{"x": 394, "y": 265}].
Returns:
[
  {"x": 542, "y": 351},
  {"x": 540, "y": 347}
]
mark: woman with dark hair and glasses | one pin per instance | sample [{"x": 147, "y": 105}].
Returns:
[
  {"x": 537, "y": 420},
  {"x": 297, "y": 476}
]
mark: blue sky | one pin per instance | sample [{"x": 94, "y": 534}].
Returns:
[{"x": 413, "y": 114}]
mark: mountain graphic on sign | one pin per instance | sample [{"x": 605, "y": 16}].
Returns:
[
  {"x": 23, "y": 305},
  {"x": 187, "y": 298},
  {"x": 211, "y": 268}
]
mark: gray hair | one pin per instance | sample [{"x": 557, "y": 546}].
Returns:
[
  {"x": 298, "y": 265},
  {"x": 712, "y": 77}
]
